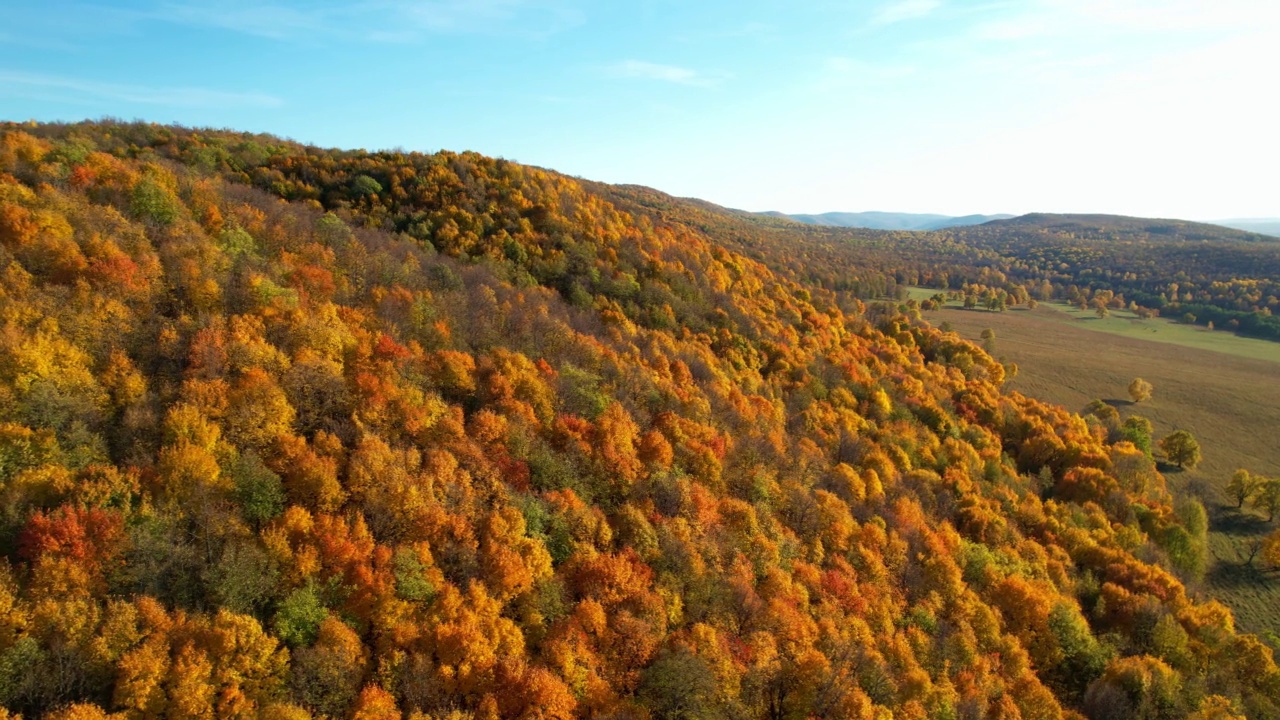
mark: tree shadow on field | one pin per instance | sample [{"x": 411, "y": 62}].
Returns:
[
  {"x": 1232, "y": 574},
  {"x": 1200, "y": 488},
  {"x": 1118, "y": 402},
  {"x": 1235, "y": 522},
  {"x": 1241, "y": 565}
]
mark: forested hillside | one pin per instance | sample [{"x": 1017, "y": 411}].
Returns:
[
  {"x": 1195, "y": 273},
  {"x": 1187, "y": 271},
  {"x": 291, "y": 432}
]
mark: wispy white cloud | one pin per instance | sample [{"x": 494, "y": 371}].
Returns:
[
  {"x": 263, "y": 20},
  {"x": 642, "y": 70},
  {"x": 374, "y": 20},
  {"x": 78, "y": 89},
  {"x": 31, "y": 25},
  {"x": 455, "y": 15},
  {"x": 903, "y": 10}
]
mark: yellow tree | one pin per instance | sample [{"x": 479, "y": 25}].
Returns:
[
  {"x": 327, "y": 676},
  {"x": 1267, "y": 498},
  {"x": 1270, "y": 550},
  {"x": 1243, "y": 486},
  {"x": 1140, "y": 390}
]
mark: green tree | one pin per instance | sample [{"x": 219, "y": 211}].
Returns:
[
  {"x": 363, "y": 186},
  {"x": 1137, "y": 430},
  {"x": 297, "y": 622},
  {"x": 1104, "y": 412},
  {"x": 243, "y": 578},
  {"x": 411, "y": 580},
  {"x": 259, "y": 491},
  {"x": 1181, "y": 448},
  {"x": 1267, "y": 498},
  {"x": 680, "y": 686},
  {"x": 1083, "y": 658},
  {"x": 1243, "y": 485},
  {"x": 153, "y": 202}
]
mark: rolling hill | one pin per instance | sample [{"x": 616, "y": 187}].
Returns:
[
  {"x": 889, "y": 220},
  {"x": 1128, "y": 227},
  {"x": 1250, "y": 230},
  {"x": 295, "y": 433}
]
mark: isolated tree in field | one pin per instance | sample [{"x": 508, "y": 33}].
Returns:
[
  {"x": 988, "y": 339},
  {"x": 1140, "y": 390},
  {"x": 1270, "y": 550},
  {"x": 1243, "y": 485},
  {"x": 1267, "y": 498},
  {"x": 1181, "y": 449}
]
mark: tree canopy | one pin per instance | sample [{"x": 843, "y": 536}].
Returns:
[
  {"x": 290, "y": 432},
  {"x": 1180, "y": 447}
]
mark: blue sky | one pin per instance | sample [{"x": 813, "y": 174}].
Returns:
[{"x": 1145, "y": 107}]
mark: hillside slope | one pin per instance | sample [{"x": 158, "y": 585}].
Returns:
[
  {"x": 292, "y": 432},
  {"x": 1129, "y": 227}
]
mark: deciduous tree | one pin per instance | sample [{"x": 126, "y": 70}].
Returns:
[
  {"x": 1140, "y": 390},
  {"x": 1267, "y": 498},
  {"x": 1181, "y": 448},
  {"x": 1243, "y": 485}
]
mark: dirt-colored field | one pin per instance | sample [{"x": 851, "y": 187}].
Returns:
[{"x": 1229, "y": 402}]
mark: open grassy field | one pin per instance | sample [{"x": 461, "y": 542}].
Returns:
[
  {"x": 1225, "y": 390},
  {"x": 1123, "y": 322}
]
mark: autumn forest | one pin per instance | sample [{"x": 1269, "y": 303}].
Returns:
[{"x": 291, "y": 432}]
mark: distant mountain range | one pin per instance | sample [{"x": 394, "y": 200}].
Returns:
[
  {"x": 890, "y": 220},
  {"x": 1266, "y": 226},
  {"x": 1117, "y": 226},
  {"x": 928, "y": 221}
]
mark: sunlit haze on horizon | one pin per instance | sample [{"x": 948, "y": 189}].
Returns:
[{"x": 1138, "y": 107}]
